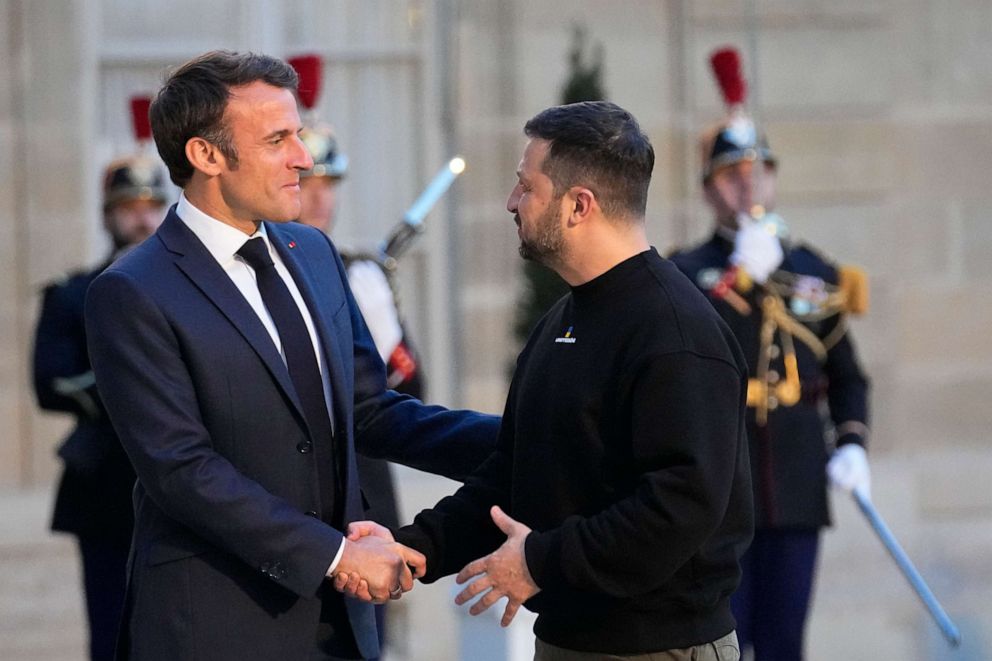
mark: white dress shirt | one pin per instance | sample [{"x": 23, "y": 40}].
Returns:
[{"x": 223, "y": 241}]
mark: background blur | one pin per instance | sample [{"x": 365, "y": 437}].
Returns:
[{"x": 880, "y": 113}]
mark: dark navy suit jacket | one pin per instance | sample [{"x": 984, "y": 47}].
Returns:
[{"x": 228, "y": 559}]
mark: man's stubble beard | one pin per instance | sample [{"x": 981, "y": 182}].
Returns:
[{"x": 548, "y": 247}]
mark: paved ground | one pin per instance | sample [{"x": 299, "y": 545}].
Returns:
[
  {"x": 863, "y": 610},
  {"x": 41, "y": 604},
  {"x": 41, "y": 607}
]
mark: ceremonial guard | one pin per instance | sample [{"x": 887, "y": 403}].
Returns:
[
  {"x": 807, "y": 395},
  {"x": 94, "y": 494},
  {"x": 371, "y": 283}
]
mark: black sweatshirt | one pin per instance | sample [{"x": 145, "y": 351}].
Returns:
[{"x": 623, "y": 448}]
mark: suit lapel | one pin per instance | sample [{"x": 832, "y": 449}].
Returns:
[
  {"x": 193, "y": 259},
  {"x": 322, "y": 303}
]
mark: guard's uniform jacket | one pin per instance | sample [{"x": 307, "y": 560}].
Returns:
[
  {"x": 790, "y": 431},
  {"x": 94, "y": 495}
]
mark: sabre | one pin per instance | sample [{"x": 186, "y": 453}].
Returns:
[
  {"x": 77, "y": 388},
  {"x": 412, "y": 223},
  {"x": 916, "y": 581}
]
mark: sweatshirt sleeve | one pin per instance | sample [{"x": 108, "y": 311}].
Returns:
[{"x": 459, "y": 529}]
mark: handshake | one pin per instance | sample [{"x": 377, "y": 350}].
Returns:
[{"x": 376, "y": 568}]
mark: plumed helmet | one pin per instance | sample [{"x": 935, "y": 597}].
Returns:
[
  {"x": 736, "y": 138},
  {"x": 134, "y": 178},
  {"x": 328, "y": 160},
  {"x": 139, "y": 176}
]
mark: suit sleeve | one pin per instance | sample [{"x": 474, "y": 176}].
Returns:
[
  {"x": 60, "y": 354},
  {"x": 152, "y": 401},
  {"x": 685, "y": 436},
  {"x": 400, "y": 428}
]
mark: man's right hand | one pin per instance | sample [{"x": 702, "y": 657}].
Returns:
[
  {"x": 359, "y": 529},
  {"x": 376, "y": 569},
  {"x": 757, "y": 249}
]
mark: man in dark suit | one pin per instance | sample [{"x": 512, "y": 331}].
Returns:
[
  {"x": 241, "y": 377},
  {"x": 94, "y": 494}
]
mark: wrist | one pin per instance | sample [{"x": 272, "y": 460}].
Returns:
[{"x": 332, "y": 569}]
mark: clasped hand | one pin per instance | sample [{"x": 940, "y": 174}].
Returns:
[
  {"x": 502, "y": 573},
  {"x": 374, "y": 567}
]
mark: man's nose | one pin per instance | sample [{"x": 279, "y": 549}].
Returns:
[
  {"x": 513, "y": 200},
  {"x": 745, "y": 170},
  {"x": 302, "y": 158}
]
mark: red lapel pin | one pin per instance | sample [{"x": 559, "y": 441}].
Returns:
[{"x": 292, "y": 244}]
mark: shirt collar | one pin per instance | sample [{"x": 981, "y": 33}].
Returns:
[{"x": 220, "y": 239}]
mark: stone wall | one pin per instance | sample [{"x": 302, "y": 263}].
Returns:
[{"x": 879, "y": 113}]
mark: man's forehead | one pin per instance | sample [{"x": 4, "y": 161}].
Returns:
[
  {"x": 742, "y": 166},
  {"x": 534, "y": 154},
  {"x": 260, "y": 101}
]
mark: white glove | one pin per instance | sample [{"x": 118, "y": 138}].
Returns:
[
  {"x": 375, "y": 300},
  {"x": 756, "y": 248},
  {"x": 848, "y": 469}
]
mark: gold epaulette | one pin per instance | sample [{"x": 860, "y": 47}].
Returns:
[{"x": 853, "y": 284}]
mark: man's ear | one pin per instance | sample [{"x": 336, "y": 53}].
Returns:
[
  {"x": 204, "y": 156},
  {"x": 584, "y": 205}
]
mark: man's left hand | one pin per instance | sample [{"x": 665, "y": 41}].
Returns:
[{"x": 503, "y": 572}]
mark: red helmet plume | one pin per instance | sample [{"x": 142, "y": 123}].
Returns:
[
  {"x": 308, "y": 68},
  {"x": 726, "y": 63},
  {"x": 139, "y": 117}
]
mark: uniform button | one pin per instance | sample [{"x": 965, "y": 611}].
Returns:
[
  {"x": 264, "y": 568},
  {"x": 772, "y": 376},
  {"x": 311, "y": 513},
  {"x": 772, "y": 403},
  {"x": 774, "y": 351},
  {"x": 304, "y": 447}
]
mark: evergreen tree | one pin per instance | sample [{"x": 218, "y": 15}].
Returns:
[{"x": 542, "y": 286}]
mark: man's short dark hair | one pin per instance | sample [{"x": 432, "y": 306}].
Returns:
[
  {"x": 598, "y": 145},
  {"x": 192, "y": 102}
]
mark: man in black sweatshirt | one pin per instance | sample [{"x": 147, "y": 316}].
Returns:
[{"x": 622, "y": 457}]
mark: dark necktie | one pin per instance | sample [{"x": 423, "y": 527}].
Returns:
[{"x": 302, "y": 364}]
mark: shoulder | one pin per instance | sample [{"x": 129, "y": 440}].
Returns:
[
  {"x": 692, "y": 259},
  {"x": 145, "y": 261},
  {"x": 304, "y": 235},
  {"x": 149, "y": 269},
  {"x": 70, "y": 281},
  {"x": 677, "y": 292},
  {"x": 70, "y": 288},
  {"x": 316, "y": 246},
  {"x": 681, "y": 319},
  {"x": 807, "y": 260}
]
